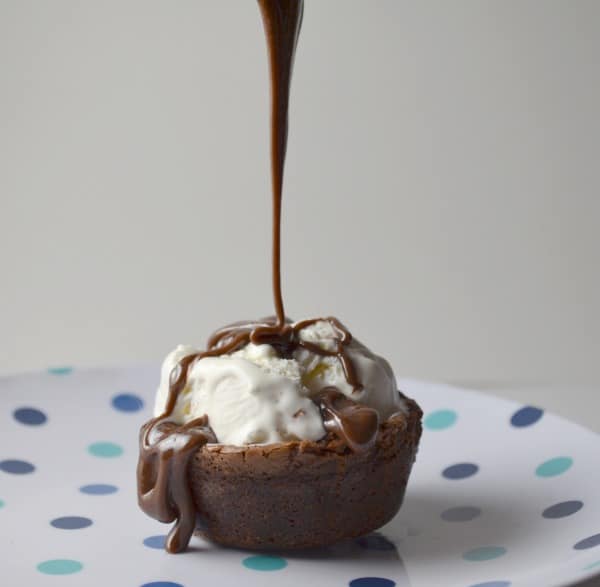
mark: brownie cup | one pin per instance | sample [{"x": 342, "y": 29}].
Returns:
[{"x": 303, "y": 494}]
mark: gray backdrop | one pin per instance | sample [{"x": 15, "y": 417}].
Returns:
[{"x": 441, "y": 193}]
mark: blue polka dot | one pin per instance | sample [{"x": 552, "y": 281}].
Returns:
[
  {"x": 105, "y": 450},
  {"x": 30, "y": 416},
  {"x": 60, "y": 370},
  {"x": 526, "y": 416},
  {"x": 460, "y": 471},
  {"x": 440, "y": 420},
  {"x": 98, "y": 489},
  {"x": 554, "y": 467},
  {"x": 484, "y": 553},
  {"x": 16, "y": 467},
  {"x": 59, "y": 566},
  {"x": 157, "y": 541},
  {"x": 127, "y": 402},
  {"x": 372, "y": 582},
  {"x": 493, "y": 584},
  {"x": 71, "y": 522},
  {"x": 562, "y": 509},
  {"x": 162, "y": 584},
  {"x": 264, "y": 563},
  {"x": 375, "y": 542},
  {"x": 589, "y": 542},
  {"x": 460, "y": 514}
]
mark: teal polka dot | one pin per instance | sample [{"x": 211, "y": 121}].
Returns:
[
  {"x": 592, "y": 566},
  {"x": 440, "y": 420},
  {"x": 60, "y": 370},
  {"x": 264, "y": 563},
  {"x": 1, "y": 504},
  {"x": 554, "y": 467},
  {"x": 105, "y": 449},
  {"x": 59, "y": 566},
  {"x": 484, "y": 553}
]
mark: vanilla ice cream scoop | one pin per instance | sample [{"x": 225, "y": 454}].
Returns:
[{"x": 253, "y": 396}]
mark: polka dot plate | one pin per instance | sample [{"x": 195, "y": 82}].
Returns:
[{"x": 502, "y": 495}]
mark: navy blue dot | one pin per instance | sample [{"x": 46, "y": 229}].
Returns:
[
  {"x": 127, "y": 402},
  {"x": 71, "y": 522},
  {"x": 162, "y": 584},
  {"x": 460, "y": 514},
  {"x": 30, "y": 416},
  {"x": 375, "y": 542},
  {"x": 157, "y": 541},
  {"x": 460, "y": 471},
  {"x": 98, "y": 489},
  {"x": 493, "y": 584},
  {"x": 526, "y": 416},
  {"x": 372, "y": 582},
  {"x": 562, "y": 509},
  {"x": 588, "y": 542},
  {"x": 16, "y": 467}
]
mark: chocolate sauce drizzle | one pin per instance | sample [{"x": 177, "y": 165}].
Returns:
[
  {"x": 166, "y": 448},
  {"x": 354, "y": 423},
  {"x": 282, "y": 20},
  {"x": 163, "y": 491}
]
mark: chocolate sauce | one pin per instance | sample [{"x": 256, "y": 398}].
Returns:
[
  {"x": 355, "y": 424},
  {"x": 282, "y": 20},
  {"x": 166, "y": 447},
  {"x": 163, "y": 490}
]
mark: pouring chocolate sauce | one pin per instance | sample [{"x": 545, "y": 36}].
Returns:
[{"x": 166, "y": 447}]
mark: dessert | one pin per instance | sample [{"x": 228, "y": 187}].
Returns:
[{"x": 279, "y": 434}]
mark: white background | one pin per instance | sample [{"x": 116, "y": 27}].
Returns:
[{"x": 441, "y": 192}]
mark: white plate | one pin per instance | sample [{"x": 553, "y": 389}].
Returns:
[{"x": 492, "y": 520}]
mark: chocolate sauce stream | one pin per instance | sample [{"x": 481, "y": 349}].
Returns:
[
  {"x": 282, "y": 20},
  {"x": 166, "y": 448}
]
